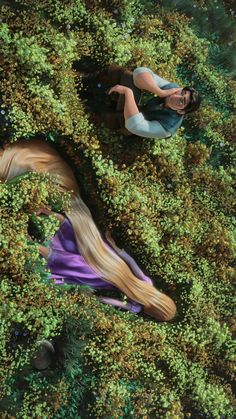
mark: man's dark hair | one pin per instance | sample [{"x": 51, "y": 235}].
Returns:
[{"x": 194, "y": 101}]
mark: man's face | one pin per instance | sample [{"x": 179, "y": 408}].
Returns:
[{"x": 178, "y": 101}]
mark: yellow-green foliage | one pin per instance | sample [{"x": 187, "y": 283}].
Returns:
[{"x": 172, "y": 202}]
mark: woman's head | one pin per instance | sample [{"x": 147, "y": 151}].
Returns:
[{"x": 38, "y": 156}]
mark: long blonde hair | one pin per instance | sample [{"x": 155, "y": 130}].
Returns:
[{"x": 39, "y": 156}]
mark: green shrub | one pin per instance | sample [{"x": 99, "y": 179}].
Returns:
[{"x": 169, "y": 202}]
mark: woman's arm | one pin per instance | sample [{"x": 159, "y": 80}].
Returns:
[
  {"x": 47, "y": 211},
  {"x": 134, "y": 307},
  {"x": 128, "y": 259},
  {"x": 43, "y": 250},
  {"x": 134, "y": 267},
  {"x": 112, "y": 242}
]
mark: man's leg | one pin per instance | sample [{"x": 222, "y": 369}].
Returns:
[
  {"x": 116, "y": 121},
  {"x": 110, "y": 119},
  {"x": 115, "y": 74},
  {"x": 122, "y": 130},
  {"x": 113, "y": 120},
  {"x": 96, "y": 86},
  {"x": 111, "y": 76}
]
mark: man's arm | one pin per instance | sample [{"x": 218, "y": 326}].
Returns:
[
  {"x": 145, "y": 79},
  {"x": 134, "y": 120},
  {"x": 130, "y": 108},
  {"x": 140, "y": 126}
]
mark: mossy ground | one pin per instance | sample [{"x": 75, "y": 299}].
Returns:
[{"x": 171, "y": 203}]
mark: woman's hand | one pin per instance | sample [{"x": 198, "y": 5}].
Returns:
[
  {"x": 112, "y": 241},
  {"x": 44, "y": 210},
  {"x": 119, "y": 89},
  {"x": 29, "y": 238},
  {"x": 168, "y": 92},
  {"x": 48, "y": 211}
]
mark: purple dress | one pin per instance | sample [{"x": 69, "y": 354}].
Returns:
[{"x": 68, "y": 266}]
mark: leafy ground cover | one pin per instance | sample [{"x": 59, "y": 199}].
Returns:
[{"x": 171, "y": 203}]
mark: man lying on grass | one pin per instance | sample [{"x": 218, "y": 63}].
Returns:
[{"x": 160, "y": 117}]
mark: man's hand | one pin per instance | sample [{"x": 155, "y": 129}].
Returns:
[
  {"x": 168, "y": 92},
  {"x": 122, "y": 90},
  {"x": 130, "y": 108},
  {"x": 146, "y": 81}
]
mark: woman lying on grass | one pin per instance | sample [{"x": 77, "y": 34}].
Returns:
[
  {"x": 78, "y": 254},
  {"x": 68, "y": 266}
]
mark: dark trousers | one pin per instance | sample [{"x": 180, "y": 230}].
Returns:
[{"x": 114, "y": 118}]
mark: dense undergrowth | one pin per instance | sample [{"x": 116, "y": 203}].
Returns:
[{"x": 170, "y": 202}]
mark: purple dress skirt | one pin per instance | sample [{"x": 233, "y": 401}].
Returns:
[{"x": 68, "y": 266}]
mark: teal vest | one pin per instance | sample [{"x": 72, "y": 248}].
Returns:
[{"x": 168, "y": 118}]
